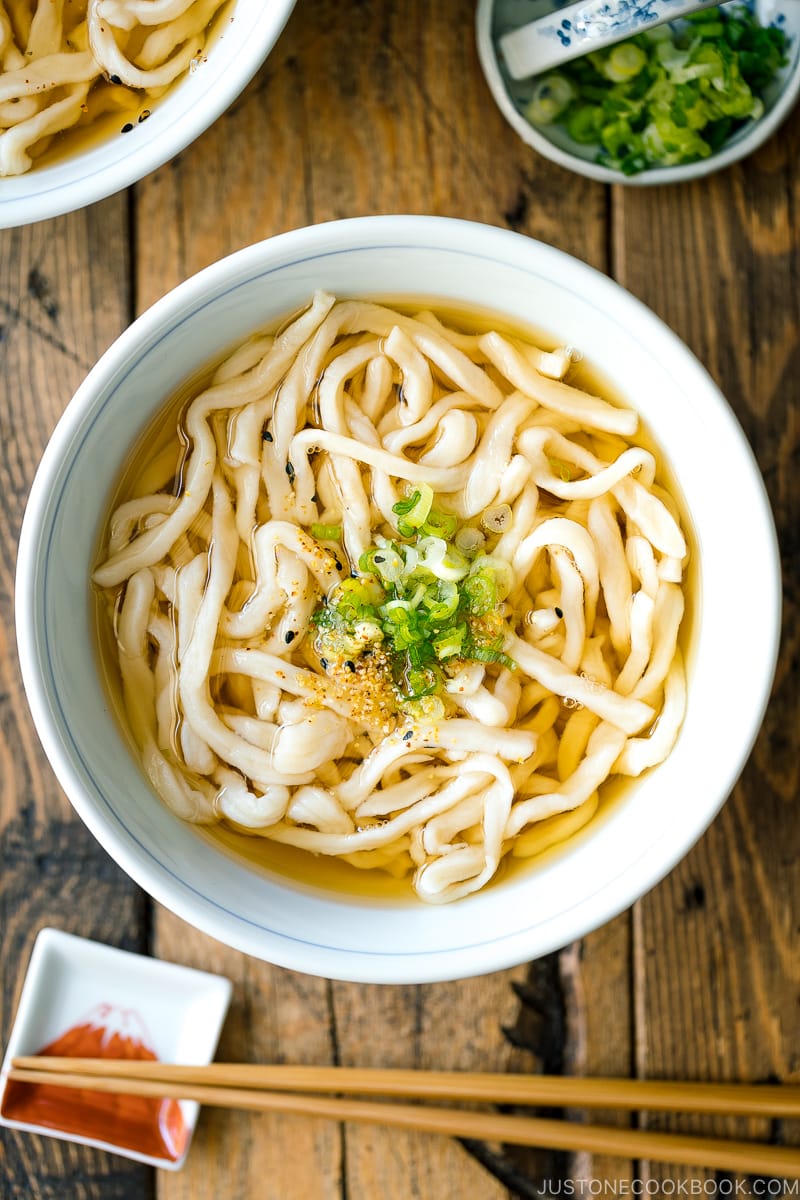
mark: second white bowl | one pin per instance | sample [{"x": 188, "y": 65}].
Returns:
[{"x": 192, "y": 104}]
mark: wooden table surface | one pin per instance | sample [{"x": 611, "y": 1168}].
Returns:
[{"x": 373, "y": 108}]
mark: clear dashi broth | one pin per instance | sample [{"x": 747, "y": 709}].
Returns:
[{"x": 427, "y": 607}]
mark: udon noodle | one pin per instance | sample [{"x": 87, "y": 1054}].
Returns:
[
  {"x": 66, "y": 62},
  {"x": 397, "y": 593}
]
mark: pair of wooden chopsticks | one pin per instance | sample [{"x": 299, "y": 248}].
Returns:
[{"x": 275, "y": 1088}]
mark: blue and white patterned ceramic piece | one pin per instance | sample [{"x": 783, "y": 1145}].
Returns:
[
  {"x": 495, "y": 18},
  {"x": 557, "y": 37}
]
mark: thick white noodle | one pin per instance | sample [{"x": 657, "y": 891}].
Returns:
[
  {"x": 125, "y": 14},
  {"x": 590, "y": 411},
  {"x": 16, "y": 142}
]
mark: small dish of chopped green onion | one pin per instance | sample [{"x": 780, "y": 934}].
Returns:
[{"x": 669, "y": 104}]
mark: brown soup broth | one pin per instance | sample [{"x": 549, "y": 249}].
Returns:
[{"x": 164, "y": 440}]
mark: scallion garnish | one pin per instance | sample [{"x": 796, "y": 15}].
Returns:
[
  {"x": 669, "y": 95},
  {"x": 430, "y": 600},
  {"x": 327, "y": 533},
  {"x": 413, "y": 512}
]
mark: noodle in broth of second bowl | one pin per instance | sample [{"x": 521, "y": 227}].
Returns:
[
  {"x": 78, "y": 72},
  {"x": 392, "y": 587}
]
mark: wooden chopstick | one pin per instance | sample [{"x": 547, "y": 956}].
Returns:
[
  {"x": 556, "y": 1091},
  {"x": 527, "y": 1131}
]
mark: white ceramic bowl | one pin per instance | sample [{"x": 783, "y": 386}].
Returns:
[
  {"x": 578, "y": 886},
  {"x": 496, "y": 17},
  {"x": 182, "y": 115}
]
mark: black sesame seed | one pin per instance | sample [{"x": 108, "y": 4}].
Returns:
[
  {"x": 315, "y": 498},
  {"x": 408, "y": 736},
  {"x": 289, "y": 636},
  {"x": 115, "y": 79},
  {"x": 290, "y": 470},
  {"x": 126, "y": 128},
  {"x": 379, "y": 558},
  {"x": 323, "y": 662},
  {"x": 338, "y": 564},
  {"x": 351, "y": 666},
  {"x": 144, "y": 114},
  {"x": 559, "y": 613},
  {"x": 267, "y": 436}
]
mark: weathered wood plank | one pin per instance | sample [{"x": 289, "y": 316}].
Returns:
[
  {"x": 64, "y": 297},
  {"x": 453, "y": 1026},
  {"x": 599, "y": 1037},
  {"x": 276, "y": 1016},
  {"x": 359, "y": 110},
  {"x": 367, "y": 109},
  {"x": 716, "y": 943}
]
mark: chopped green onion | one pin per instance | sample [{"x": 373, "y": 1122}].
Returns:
[
  {"x": 327, "y": 533},
  {"x": 624, "y": 62},
  {"x": 421, "y": 681},
  {"x": 442, "y": 601},
  {"x": 448, "y": 643},
  {"x": 441, "y": 559},
  {"x": 498, "y": 568},
  {"x": 551, "y": 96},
  {"x": 498, "y": 518},
  {"x": 561, "y": 469},
  {"x": 414, "y": 510},
  {"x": 384, "y": 561},
  {"x": 584, "y": 124},
  {"x": 666, "y": 96},
  {"x": 423, "y": 601},
  {"x": 469, "y": 540},
  {"x": 488, "y": 654},
  {"x": 481, "y": 593},
  {"x": 439, "y": 524}
]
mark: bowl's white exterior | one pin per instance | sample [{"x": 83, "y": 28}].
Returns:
[
  {"x": 182, "y": 115},
  {"x": 555, "y": 143},
  {"x": 585, "y": 882}
]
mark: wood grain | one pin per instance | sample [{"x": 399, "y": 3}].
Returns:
[
  {"x": 64, "y": 297},
  {"x": 276, "y": 1016},
  {"x": 361, "y": 109},
  {"x": 368, "y": 109},
  {"x": 715, "y": 951}
]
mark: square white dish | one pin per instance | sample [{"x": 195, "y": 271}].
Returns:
[{"x": 69, "y": 978}]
